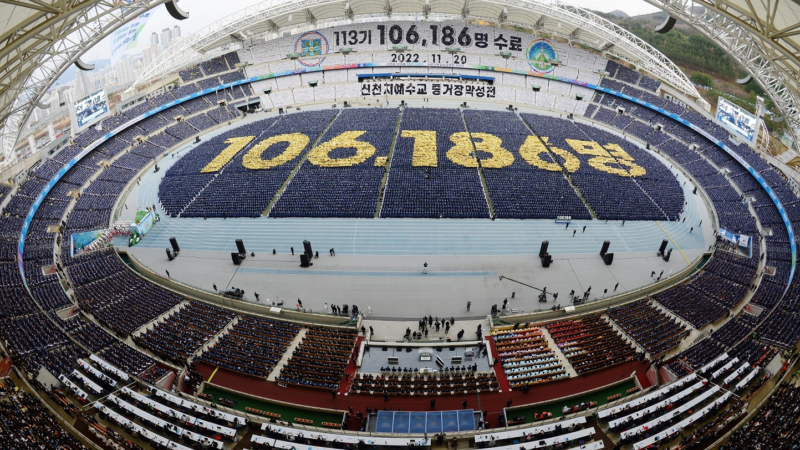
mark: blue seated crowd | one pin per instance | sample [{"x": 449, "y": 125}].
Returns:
[
  {"x": 321, "y": 358},
  {"x": 342, "y": 191},
  {"x": 638, "y": 204},
  {"x": 518, "y": 191},
  {"x": 179, "y": 336},
  {"x": 253, "y": 346},
  {"x": 653, "y": 330},
  {"x": 434, "y": 187}
]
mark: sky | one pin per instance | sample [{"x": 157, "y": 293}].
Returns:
[{"x": 204, "y": 12}]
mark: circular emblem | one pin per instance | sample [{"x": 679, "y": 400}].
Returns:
[
  {"x": 312, "y": 48},
  {"x": 540, "y": 53}
]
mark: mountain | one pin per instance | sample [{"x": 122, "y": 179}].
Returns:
[
  {"x": 619, "y": 13},
  {"x": 684, "y": 45}
]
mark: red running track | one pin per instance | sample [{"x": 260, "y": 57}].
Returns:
[{"x": 493, "y": 402}]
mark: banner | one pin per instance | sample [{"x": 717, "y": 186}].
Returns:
[
  {"x": 143, "y": 223},
  {"x": 427, "y": 88},
  {"x": 81, "y": 240},
  {"x": 124, "y": 38}
]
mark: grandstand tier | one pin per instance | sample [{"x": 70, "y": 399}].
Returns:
[{"x": 117, "y": 337}]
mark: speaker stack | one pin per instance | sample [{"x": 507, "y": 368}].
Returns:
[
  {"x": 667, "y": 255},
  {"x": 236, "y": 258},
  {"x": 169, "y": 255},
  {"x": 305, "y": 257},
  {"x": 608, "y": 258},
  {"x": 545, "y": 257},
  {"x": 604, "y": 248},
  {"x": 174, "y": 243},
  {"x": 662, "y": 248},
  {"x": 241, "y": 249}
]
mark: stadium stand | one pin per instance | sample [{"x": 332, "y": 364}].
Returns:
[
  {"x": 25, "y": 422},
  {"x": 526, "y": 356},
  {"x": 123, "y": 302},
  {"x": 590, "y": 344},
  {"x": 320, "y": 360},
  {"x": 183, "y": 333},
  {"x": 241, "y": 348},
  {"x": 405, "y": 381},
  {"x": 773, "y": 426},
  {"x": 653, "y": 330}
]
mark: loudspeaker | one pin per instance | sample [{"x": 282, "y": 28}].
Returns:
[
  {"x": 169, "y": 255},
  {"x": 175, "y": 11},
  {"x": 662, "y": 247},
  {"x": 197, "y": 140},
  {"x": 543, "y": 248},
  {"x": 240, "y": 246},
  {"x": 647, "y": 146},
  {"x": 667, "y": 255},
  {"x": 304, "y": 260},
  {"x": 237, "y": 260},
  {"x": 546, "y": 260},
  {"x": 307, "y": 248},
  {"x": 608, "y": 258},
  {"x": 666, "y": 25},
  {"x": 174, "y": 243},
  {"x": 744, "y": 80},
  {"x": 83, "y": 65},
  {"x": 604, "y": 248}
]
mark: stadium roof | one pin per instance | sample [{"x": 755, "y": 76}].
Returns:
[
  {"x": 764, "y": 36},
  {"x": 39, "y": 39},
  {"x": 548, "y": 16}
]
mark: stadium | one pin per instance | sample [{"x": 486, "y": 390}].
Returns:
[{"x": 397, "y": 223}]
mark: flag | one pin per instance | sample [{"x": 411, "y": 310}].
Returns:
[{"x": 124, "y": 38}]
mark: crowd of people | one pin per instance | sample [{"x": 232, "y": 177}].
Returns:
[
  {"x": 655, "y": 331},
  {"x": 775, "y": 426},
  {"x": 450, "y": 380},
  {"x": 179, "y": 336},
  {"x": 526, "y": 357},
  {"x": 124, "y": 304},
  {"x": 253, "y": 346},
  {"x": 27, "y": 424},
  {"x": 320, "y": 360},
  {"x": 591, "y": 344},
  {"x": 334, "y": 181},
  {"x": 115, "y": 296},
  {"x": 533, "y": 186}
]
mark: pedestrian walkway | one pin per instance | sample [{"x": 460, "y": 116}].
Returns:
[
  {"x": 150, "y": 325},
  {"x": 276, "y": 371},
  {"x": 559, "y": 354}
]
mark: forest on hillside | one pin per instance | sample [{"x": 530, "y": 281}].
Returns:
[{"x": 683, "y": 45}]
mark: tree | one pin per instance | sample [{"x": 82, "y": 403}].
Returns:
[
  {"x": 752, "y": 86},
  {"x": 701, "y": 79}
]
